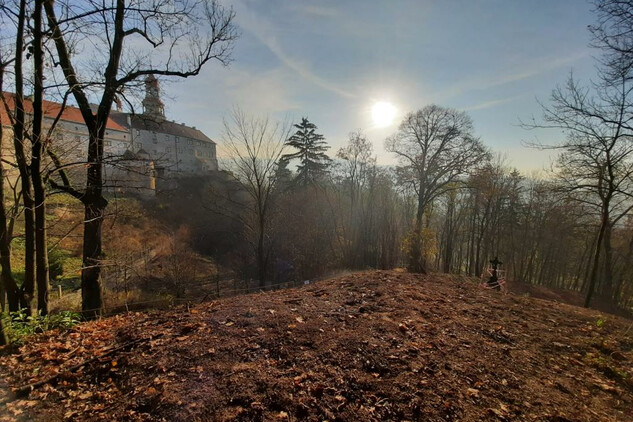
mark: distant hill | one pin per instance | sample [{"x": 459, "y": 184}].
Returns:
[{"x": 374, "y": 346}]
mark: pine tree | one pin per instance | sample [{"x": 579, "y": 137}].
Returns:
[
  {"x": 311, "y": 147},
  {"x": 283, "y": 175}
]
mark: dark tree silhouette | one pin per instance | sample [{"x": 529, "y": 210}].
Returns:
[
  {"x": 311, "y": 148},
  {"x": 613, "y": 34}
]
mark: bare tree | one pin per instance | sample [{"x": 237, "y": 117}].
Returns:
[
  {"x": 15, "y": 111},
  {"x": 613, "y": 35},
  {"x": 37, "y": 141},
  {"x": 595, "y": 166},
  {"x": 435, "y": 148},
  {"x": 131, "y": 40},
  {"x": 357, "y": 165},
  {"x": 254, "y": 147},
  {"x": 8, "y": 286}
]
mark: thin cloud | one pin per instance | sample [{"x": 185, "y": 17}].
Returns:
[
  {"x": 542, "y": 66},
  {"x": 535, "y": 68},
  {"x": 492, "y": 103},
  {"x": 262, "y": 30},
  {"x": 271, "y": 87},
  {"x": 327, "y": 12}
]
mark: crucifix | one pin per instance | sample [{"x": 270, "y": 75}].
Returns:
[{"x": 494, "y": 278}]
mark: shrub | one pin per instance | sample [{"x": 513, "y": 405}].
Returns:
[{"x": 19, "y": 325}]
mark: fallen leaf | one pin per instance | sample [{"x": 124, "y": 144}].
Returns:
[
  {"x": 472, "y": 392},
  {"x": 607, "y": 388}
]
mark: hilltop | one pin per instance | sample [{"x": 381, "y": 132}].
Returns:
[{"x": 374, "y": 346}]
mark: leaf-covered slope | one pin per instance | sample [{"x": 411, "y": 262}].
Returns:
[{"x": 370, "y": 346}]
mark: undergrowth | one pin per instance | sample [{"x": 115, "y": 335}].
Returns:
[{"x": 19, "y": 325}]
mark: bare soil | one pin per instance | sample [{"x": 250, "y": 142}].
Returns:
[{"x": 375, "y": 346}]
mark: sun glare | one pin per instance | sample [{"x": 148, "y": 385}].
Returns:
[{"x": 383, "y": 113}]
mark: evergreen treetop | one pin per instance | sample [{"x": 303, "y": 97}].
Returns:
[{"x": 310, "y": 151}]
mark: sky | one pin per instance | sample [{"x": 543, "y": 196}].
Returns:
[{"x": 331, "y": 61}]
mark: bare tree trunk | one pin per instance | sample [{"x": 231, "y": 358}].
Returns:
[
  {"x": 416, "y": 261},
  {"x": 41, "y": 252},
  {"x": 449, "y": 233},
  {"x": 8, "y": 286},
  {"x": 3, "y": 337},
  {"x": 261, "y": 255},
  {"x": 94, "y": 212},
  {"x": 607, "y": 287},
  {"x": 28, "y": 287},
  {"x": 596, "y": 260}
]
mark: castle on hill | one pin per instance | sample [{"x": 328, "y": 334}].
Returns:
[{"x": 141, "y": 151}]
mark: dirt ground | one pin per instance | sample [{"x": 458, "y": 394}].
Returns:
[{"x": 375, "y": 346}]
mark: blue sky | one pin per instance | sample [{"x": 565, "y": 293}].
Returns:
[{"x": 332, "y": 60}]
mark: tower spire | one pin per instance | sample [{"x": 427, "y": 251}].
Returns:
[{"x": 152, "y": 105}]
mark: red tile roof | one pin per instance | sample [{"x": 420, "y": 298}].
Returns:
[{"x": 51, "y": 110}]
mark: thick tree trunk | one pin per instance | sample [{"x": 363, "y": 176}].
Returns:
[
  {"x": 596, "y": 261},
  {"x": 91, "y": 295},
  {"x": 416, "y": 260}
]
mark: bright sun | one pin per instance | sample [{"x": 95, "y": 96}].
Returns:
[{"x": 383, "y": 113}]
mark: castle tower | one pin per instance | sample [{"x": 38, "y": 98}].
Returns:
[{"x": 152, "y": 105}]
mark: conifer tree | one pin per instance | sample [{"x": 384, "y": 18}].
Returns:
[
  {"x": 283, "y": 175},
  {"x": 310, "y": 151}
]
